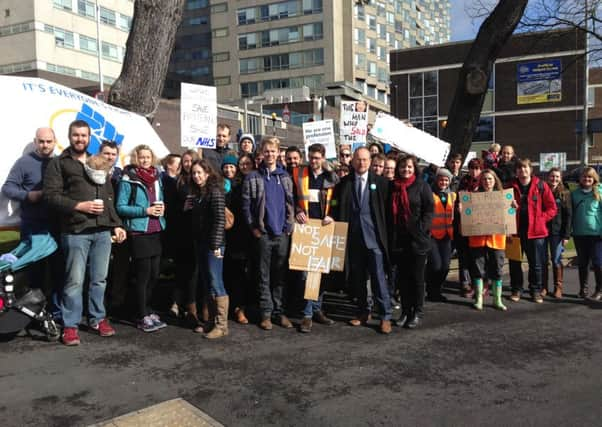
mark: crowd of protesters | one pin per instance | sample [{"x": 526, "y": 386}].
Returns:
[{"x": 223, "y": 220}]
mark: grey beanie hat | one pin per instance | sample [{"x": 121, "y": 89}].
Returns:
[
  {"x": 248, "y": 136},
  {"x": 444, "y": 172}
]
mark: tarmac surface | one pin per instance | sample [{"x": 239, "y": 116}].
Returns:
[{"x": 534, "y": 365}]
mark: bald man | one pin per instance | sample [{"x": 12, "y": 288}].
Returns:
[{"x": 24, "y": 183}]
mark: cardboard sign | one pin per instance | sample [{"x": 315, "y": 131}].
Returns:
[
  {"x": 198, "y": 116},
  {"x": 28, "y": 103},
  {"x": 354, "y": 123},
  {"x": 312, "y": 286},
  {"x": 411, "y": 140},
  {"x": 487, "y": 213},
  {"x": 319, "y": 248},
  {"x": 320, "y": 132}
]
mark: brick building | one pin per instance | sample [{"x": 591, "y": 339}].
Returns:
[{"x": 535, "y": 98}]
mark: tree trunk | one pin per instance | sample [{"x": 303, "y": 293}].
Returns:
[
  {"x": 465, "y": 110},
  {"x": 148, "y": 50}
]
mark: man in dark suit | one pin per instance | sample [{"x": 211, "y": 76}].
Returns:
[{"x": 360, "y": 199}]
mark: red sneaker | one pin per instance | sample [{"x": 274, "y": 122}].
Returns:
[
  {"x": 70, "y": 336},
  {"x": 104, "y": 328}
]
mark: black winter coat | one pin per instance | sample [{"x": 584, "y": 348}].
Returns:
[
  {"x": 560, "y": 225},
  {"x": 379, "y": 204},
  {"x": 417, "y": 232},
  {"x": 66, "y": 183},
  {"x": 208, "y": 218}
]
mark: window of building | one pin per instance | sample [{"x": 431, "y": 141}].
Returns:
[
  {"x": 17, "y": 28},
  {"x": 220, "y": 32},
  {"x": 371, "y": 22},
  {"x": 423, "y": 101},
  {"x": 86, "y": 8},
  {"x": 221, "y": 81},
  {"x": 124, "y": 22},
  {"x": 110, "y": 51},
  {"x": 61, "y": 69},
  {"x": 219, "y": 8},
  {"x": 196, "y": 4},
  {"x": 63, "y": 38},
  {"x": 381, "y": 53},
  {"x": 246, "y": 16},
  {"x": 372, "y": 68},
  {"x": 390, "y": 18},
  {"x": 381, "y": 8},
  {"x": 88, "y": 44},
  {"x": 383, "y": 75},
  {"x": 371, "y": 91},
  {"x": 360, "y": 12},
  {"x": 485, "y": 130},
  {"x": 371, "y": 45},
  {"x": 303, "y": 59},
  {"x": 63, "y": 4},
  {"x": 247, "y": 41},
  {"x": 312, "y": 6},
  {"x": 313, "y": 31},
  {"x": 107, "y": 16},
  {"x": 221, "y": 57},
  {"x": 196, "y": 20},
  {"x": 89, "y": 76},
  {"x": 382, "y": 96},
  {"x": 360, "y": 36},
  {"x": 360, "y": 61},
  {"x": 360, "y": 84}
]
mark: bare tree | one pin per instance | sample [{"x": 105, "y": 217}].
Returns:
[
  {"x": 148, "y": 49},
  {"x": 474, "y": 75}
]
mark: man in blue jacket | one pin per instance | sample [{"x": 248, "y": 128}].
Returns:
[{"x": 267, "y": 203}]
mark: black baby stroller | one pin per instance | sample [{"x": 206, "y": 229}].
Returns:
[{"x": 20, "y": 305}]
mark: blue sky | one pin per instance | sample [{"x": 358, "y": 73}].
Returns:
[{"x": 462, "y": 26}]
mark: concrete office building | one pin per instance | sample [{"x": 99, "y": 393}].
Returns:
[
  {"x": 248, "y": 47},
  {"x": 535, "y": 99},
  {"x": 57, "y": 39}
]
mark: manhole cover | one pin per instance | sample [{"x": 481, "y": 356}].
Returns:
[{"x": 172, "y": 413}]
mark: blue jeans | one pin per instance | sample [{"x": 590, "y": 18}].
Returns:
[
  {"x": 211, "y": 271},
  {"x": 554, "y": 250},
  {"x": 91, "y": 250}
]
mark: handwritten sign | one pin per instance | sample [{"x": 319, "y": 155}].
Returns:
[
  {"x": 354, "y": 123},
  {"x": 411, "y": 140},
  {"x": 198, "y": 116},
  {"x": 320, "y": 132},
  {"x": 317, "y": 247},
  {"x": 487, "y": 213}
]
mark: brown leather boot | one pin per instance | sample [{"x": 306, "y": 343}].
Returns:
[
  {"x": 544, "y": 280},
  {"x": 239, "y": 314},
  {"x": 220, "y": 328},
  {"x": 558, "y": 271}
]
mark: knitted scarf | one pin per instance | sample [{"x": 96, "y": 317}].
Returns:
[
  {"x": 401, "y": 201},
  {"x": 148, "y": 178}
]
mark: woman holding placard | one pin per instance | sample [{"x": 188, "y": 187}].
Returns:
[
  {"x": 411, "y": 216},
  {"x": 487, "y": 252}
]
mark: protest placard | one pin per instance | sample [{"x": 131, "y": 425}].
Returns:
[
  {"x": 354, "y": 123},
  {"x": 320, "y": 132},
  {"x": 318, "y": 248},
  {"x": 411, "y": 140},
  {"x": 198, "y": 116},
  {"x": 548, "y": 161},
  {"x": 486, "y": 213}
]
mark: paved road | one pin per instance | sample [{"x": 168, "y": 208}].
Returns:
[{"x": 535, "y": 365}]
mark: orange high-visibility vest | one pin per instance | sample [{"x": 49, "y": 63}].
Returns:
[
  {"x": 443, "y": 217},
  {"x": 493, "y": 241},
  {"x": 302, "y": 185}
]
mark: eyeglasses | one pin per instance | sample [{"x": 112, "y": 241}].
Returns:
[{"x": 345, "y": 154}]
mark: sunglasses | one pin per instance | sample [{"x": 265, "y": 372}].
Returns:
[{"x": 346, "y": 154}]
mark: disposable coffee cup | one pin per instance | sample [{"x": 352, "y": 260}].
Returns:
[
  {"x": 99, "y": 202},
  {"x": 158, "y": 203}
]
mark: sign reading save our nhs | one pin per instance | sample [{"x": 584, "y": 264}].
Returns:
[
  {"x": 29, "y": 103},
  {"x": 198, "y": 115}
]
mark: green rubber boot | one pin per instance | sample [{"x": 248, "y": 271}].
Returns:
[
  {"x": 478, "y": 294},
  {"x": 497, "y": 295}
]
